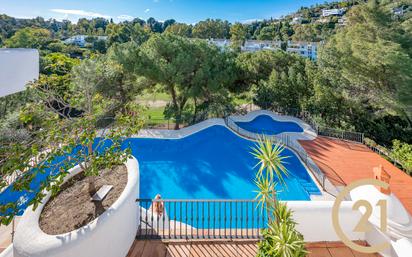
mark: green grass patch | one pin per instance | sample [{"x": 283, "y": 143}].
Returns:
[
  {"x": 154, "y": 96},
  {"x": 155, "y": 116}
]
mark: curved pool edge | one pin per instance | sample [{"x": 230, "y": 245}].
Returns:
[{"x": 308, "y": 132}]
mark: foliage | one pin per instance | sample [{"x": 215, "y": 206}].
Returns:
[
  {"x": 370, "y": 59},
  {"x": 271, "y": 171},
  {"x": 211, "y": 29},
  {"x": 281, "y": 237},
  {"x": 281, "y": 240},
  {"x": 188, "y": 70},
  {"x": 112, "y": 77},
  {"x": 286, "y": 89},
  {"x": 29, "y": 38},
  {"x": 238, "y": 35},
  {"x": 119, "y": 33},
  {"x": 57, "y": 63},
  {"x": 270, "y": 161},
  {"x": 403, "y": 153},
  {"x": 55, "y": 140},
  {"x": 180, "y": 29}
]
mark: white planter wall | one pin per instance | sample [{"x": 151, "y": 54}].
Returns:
[{"x": 110, "y": 235}]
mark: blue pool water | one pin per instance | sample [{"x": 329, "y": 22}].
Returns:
[
  {"x": 211, "y": 164},
  {"x": 264, "y": 124}
]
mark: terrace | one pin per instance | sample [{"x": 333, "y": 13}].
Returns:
[{"x": 231, "y": 226}]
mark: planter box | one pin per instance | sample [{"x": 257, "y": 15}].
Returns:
[{"x": 110, "y": 235}]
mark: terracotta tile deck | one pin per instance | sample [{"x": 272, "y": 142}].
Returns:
[
  {"x": 236, "y": 248},
  {"x": 344, "y": 162}
]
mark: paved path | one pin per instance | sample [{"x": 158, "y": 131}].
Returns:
[
  {"x": 237, "y": 248},
  {"x": 344, "y": 162}
]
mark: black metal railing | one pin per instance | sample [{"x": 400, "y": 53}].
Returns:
[
  {"x": 321, "y": 130},
  {"x": 340, "y": 134},
  {"x": 200, "y": 219},
  {"x": 286, "y": 141},
  {"x": 387, "y": 154}
]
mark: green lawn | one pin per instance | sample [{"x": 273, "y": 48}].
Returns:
[
  {"x": 153, "y": 96},
  {"x": 154, "y": 116},
  {"x": 240, "y": 101},
  {"x": 154, "y": 113}
]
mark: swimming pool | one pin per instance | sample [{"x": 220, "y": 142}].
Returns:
[
  {"x": 213, "y": 163},
  {"x": 264, "y": 124}
]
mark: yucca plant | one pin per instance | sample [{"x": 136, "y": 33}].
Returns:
[
  {"x": 270, "y": 161},
  {"x": 280, "y": 239},
  {"x": 271, "y": 170}
]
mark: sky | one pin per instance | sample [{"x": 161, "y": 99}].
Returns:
[{"x": 188, "y": 11}]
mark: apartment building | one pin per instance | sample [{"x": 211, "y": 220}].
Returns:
[
  {"x": 80, "y": 40},
  {"x": 333, "y": 12},
  {"x": 250, "y": 45},
  {"x": 305, "y": 49}
]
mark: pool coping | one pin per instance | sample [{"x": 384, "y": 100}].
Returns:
[{"x": 308, "y": 132}]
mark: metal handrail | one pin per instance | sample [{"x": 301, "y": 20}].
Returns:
[
  {"x": 200, "y": 219},
  {"x": 322, "y": 130},
  {"x": 285, "y": 140},
  {"x": 197, "y": 200}
]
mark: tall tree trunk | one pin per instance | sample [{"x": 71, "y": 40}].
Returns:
[
  {"x": 175, "y": 105},
  {"x": 195, "y": 111},
  {"x": 92, "y": 186},
  {"x": 178, "y": 118}
]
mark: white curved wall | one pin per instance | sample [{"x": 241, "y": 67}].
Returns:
[
  {"x": 314, "y": 220},
  {"x": 17, "y": 68},
  {"x": 110, "y": 235}
]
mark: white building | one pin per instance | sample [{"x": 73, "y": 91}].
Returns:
[
  {"x": 257, "y": 45},
  {"x": 250, "y": 45},
  {"x": 221, "y": 43},
  {"x": 80, "y": 40},
  {"x": 399, "y": 11},
  {"x": 18, "y": 67},
  {"x": 305, "y": 49},
  {"x": 297, "y": 20},
  {"x": 332, "y": 12}
]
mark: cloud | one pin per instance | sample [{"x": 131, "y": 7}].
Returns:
[
  {"x": 125, "y": 17},
  {"x": 147, "y": 10},
  {"x": 82, "y": 13}
]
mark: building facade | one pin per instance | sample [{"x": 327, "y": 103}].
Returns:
[
  {"x": 305, "y": 49},
  {"x": 80, "y": 40},
  {"x": 333, "y": 12}
]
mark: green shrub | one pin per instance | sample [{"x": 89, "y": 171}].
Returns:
[
  {"x": 403, "y": 153},
  {"x": 281, "y": 239}
]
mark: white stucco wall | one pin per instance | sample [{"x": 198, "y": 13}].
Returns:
[
  {"x": 314, "y": 220},
  {"x": 17, "y": 68},
  {"x": 110, "y": 235}
]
